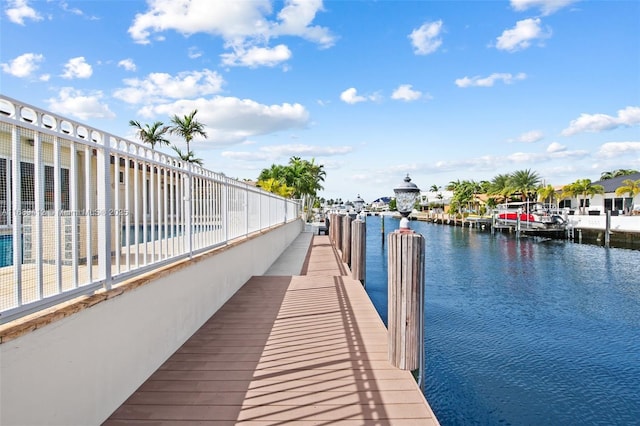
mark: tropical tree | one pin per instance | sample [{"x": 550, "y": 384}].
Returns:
[
  {"x": 524, "y": 182},
  {"x": 463, "y": 193},
  {"x": 152, "y": 134},
  {"x": 629, "y": 187},
  {"x": 584, "y": 188},
  {"x": 276, "y": 186},
  {"x": 451, "y": 186},
  {"x": 187, "y": 127},
  {"x": 305, "y": 177},
  {"x": 547, "y": 194},
  {"x": 499, "y": 186},
  {"x": 617, "y": 173},
  {"x": 189, "y": 157},
  {"x": 439, "y": 196}
]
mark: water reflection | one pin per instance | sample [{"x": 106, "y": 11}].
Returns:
[{"x": 524, "y": 331}]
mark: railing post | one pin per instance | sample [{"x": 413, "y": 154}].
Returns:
[
  {"x": 246, "y": 209},
  {"x": 225, "y": 210},
  {"x": 16, "y": 151},
  {"x": 103, "y": 205},
  {"x": 35, "y": 237},
  {"x": 406, "y": 302},
  {"x": 188, "y": 195},
  {"x": 358, "y": 249}
]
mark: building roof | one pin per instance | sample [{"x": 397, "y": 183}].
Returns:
[
  {"x": 610, "y": 185},
  {"x": 385, "y": 200}
]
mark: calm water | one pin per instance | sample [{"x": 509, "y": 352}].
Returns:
[{"x": 523, "y": 332}]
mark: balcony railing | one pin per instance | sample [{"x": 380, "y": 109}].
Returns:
[{"x": 82, "y": 209}]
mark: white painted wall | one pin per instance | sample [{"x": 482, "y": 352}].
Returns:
[
  {"x": 78, "y": 370},
  {"x": 618, "y": 223}
]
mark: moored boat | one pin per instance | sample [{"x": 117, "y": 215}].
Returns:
[{"x": 530, "y": 215}]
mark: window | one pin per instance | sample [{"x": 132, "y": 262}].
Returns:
[{"x": 27, "y": 187}]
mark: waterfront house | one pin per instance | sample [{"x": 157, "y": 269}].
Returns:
[{"x": 609, "y": 201}]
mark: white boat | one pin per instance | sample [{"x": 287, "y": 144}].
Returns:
[{"x": 529, "y": 215}]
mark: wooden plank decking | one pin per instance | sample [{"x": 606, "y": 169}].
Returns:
[{"x": 302, "y": 349}]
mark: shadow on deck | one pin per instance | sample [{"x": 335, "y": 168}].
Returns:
[{"x": 299, "y": 349}]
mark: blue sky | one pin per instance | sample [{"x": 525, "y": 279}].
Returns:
[{"x": 372, "y": 90}]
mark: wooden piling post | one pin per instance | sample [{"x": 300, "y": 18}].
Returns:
[
  {"x": 358, "y": 250},
  {"x": 337, "y": 235},
  {"x": 607, "y": 230},
  {"x": 346, "y": 239},
  {"x": 406, "y": 301}
]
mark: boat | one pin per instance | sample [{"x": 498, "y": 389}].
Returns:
[{"x": 530, "y": 215}]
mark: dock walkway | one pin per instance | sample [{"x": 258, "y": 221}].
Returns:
[{"x": 299, "y": 345}]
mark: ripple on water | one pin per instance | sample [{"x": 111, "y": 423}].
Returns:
[{"x": 525, "y": 331}]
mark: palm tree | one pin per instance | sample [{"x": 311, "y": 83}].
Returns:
[
  {"x": 152, "y": 134},
  {"x": 499, "y": 185},
  {"x": 463, "y": 192},
  {"x": 617, "y": 173},
  {"x": 524, "y": 182},
  {"x": 303, "y": 176},
  {"x": 582, "y": 187},
  {"x": 188, "y": 127},
  {"x": 630, "y": 187},
  {"x": 189, "y": 157},
  {"x": 547, "y": 193},
  {"x": 439, "y": 196}
]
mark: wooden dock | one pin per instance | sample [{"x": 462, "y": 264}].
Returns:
[{"x": 302, "y": 349}]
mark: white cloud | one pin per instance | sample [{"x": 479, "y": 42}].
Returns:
[
  {"x": 78, "y": 104},
  {"x": 529, "y": 137},
  {"x": 547, "y": 7},
  {"x": 555, "y": 147},
  {"x": 296, "y": 17},
  {"x": 19, "y": 10},
  {"x": 351, "y": 96},
  {"x": 77, "y": 68},
  {"x": 630, "y": 116},
  {"x": 489, "y": 81},
  {"x": 257, "y": 56},
  {"x": 24, "y": 65},
  {"x": 244, "y": 25},
  {"x": 127, "y": 64},
  {"x": 521, "y": 35},
  {"x": 230, "y": 120},
  {"x": 426, "y": 39},
  {"x": 619, "y": 149},
  {"x": 405, "y": 92},
  {"x": 161, "y": 87},
  {"x": 194, "y": 53},
  {"x": 273, "y": 153}
]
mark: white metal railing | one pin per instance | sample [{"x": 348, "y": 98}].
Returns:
[{"x": 82, "y": 209}]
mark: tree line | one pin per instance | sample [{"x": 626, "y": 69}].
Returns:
[{"x": 526, "y": 185}]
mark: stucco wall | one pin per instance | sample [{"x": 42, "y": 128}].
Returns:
[
  {"x": 78, "y": 370},
  {"x": 618, "y": 223}
]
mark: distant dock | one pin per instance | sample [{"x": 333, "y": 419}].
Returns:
[{"x": 580, "y": 229}]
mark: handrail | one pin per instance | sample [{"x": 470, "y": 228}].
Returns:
[{"x": 83, "y": 209}]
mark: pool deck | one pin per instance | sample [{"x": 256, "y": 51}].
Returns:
[{"x": 299, "y": 345}]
